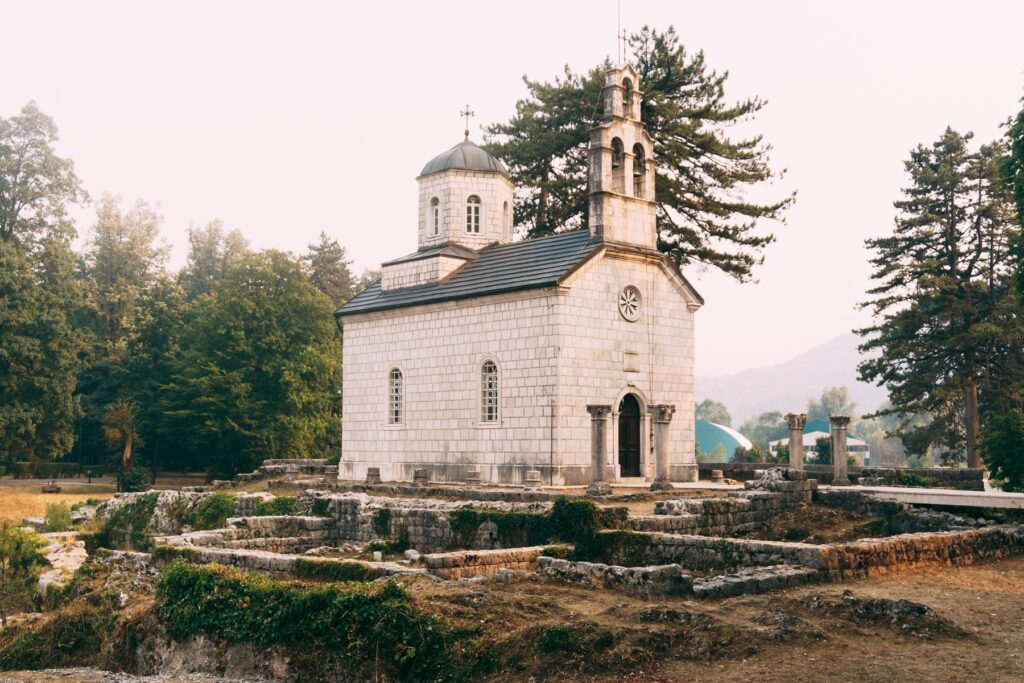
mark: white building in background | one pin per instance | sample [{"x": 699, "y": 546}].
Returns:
[
  {"x": 480, "y": 353},
  {"x": 857, "y": 447}
]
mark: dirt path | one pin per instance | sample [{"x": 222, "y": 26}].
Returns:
[{"x": 986, "y": 600}]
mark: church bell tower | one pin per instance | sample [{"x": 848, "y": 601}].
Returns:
[{"x": 621, "y": 181}]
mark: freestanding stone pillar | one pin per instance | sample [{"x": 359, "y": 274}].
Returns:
[
  {"x": 796, "y": 440},
  {"x": 839, "y": 450},
  {"x": 661, "y": 416},
  {"x": 598, "y": 459}
]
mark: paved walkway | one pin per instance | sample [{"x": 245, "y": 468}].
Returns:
[{"x": 946, "y": 497}]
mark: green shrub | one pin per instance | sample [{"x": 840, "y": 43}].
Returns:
[
  {"x": 212, "y": 512},
  {"x": 281, "y": 505},
  {"x": 916, "y": 480},
  {"x": 135, "y": 480},
  {"x": 570, "y": 520},
  {"x": 377, "y": 545},
  {"x": 574, "y": 639},
  {"x": 320, "y": 506},
  {"x": 325, "y": 570},
  {"x": 127, "y": 528},
  {"x": 382, "y": 521},
  {"x": 376, "y": 626},
  {"x": 58, "y": 517},
  {"x": 165, "y": 554},
  {"x": 3, "y": 470},
  {"x": 90, "y": 502},
  {"x": 43, "y": 470},
  {"x": 1002, "y": 448},
  {"x": 21, "y": 562},
  {"x": 560, "y": 551},
  {"x": 71, "y": 638}
]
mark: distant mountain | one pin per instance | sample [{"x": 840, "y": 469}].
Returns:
[{"x": 787, "y": 386}]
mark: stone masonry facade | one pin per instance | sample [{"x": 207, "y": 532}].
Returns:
[{"x": 556, "y": 350}]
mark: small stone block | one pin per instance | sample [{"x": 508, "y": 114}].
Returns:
[
  {"x": 473, "y": 478},
  {"x": 599, "y": 489},
  {"x": 420, "y": 477},
  {"x": 372, "y": 475},
  {"x": 532, "y": 479},
  {"x": 717, "y": 477}
]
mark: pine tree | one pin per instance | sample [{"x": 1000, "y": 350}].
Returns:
[
  {"x": 940, "y": 280},
  {"x": 702, "y": 172},
  {"x": 329, "y": 269}
]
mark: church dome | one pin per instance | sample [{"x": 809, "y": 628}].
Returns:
[{"x": 465, "y": 156}]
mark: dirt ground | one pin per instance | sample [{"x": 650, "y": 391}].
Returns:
[
  {"x": 820, "y": 524},
  {"x": 976, "y": 632}
]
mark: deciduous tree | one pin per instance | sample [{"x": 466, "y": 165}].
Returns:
[{"x": 258, "y": 373}]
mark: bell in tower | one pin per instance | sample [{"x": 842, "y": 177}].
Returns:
[{"x": 621, "y": 180}]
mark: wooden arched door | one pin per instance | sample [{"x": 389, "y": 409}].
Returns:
[{"x": 629, "y": 436}]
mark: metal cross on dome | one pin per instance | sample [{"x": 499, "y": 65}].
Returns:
[{"x": 466, "y": 113}]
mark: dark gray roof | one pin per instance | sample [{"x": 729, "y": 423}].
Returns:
[
  {"x": 530, "y": 264},
  {"x": 452, "y": 250},
  {"x": 465, "y": 156}
]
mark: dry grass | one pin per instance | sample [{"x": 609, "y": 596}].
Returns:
[{"x": 18, "y": 501}]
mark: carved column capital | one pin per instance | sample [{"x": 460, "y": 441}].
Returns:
[
  {"x": 599, "y": 412},
  {"x": 839, "y": 421},
  {"x": 661, "y": 413},
  {"x": 796, "y": 421}
]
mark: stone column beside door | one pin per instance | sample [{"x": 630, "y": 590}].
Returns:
[
  {"x": 661, "y": 417},
  {"x": 796, "y": 422},
  {"x": 598, "y": 452},
  {"x": 839, "y": 450}
]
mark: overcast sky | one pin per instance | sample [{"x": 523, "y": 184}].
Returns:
[{"x": 285, "y": 119}]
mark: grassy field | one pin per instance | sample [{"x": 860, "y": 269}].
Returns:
[{"x": 19, "y": 500}]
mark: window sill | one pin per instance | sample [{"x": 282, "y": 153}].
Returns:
[
  {"x": 489, "y": 425},
  {"x": 394, "y": 426}
]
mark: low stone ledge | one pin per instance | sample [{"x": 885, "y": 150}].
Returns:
[
  {"x": 282, "y": 565},
  {"x": 468, "y": 563},
  {"x": 658, "y": 580},
  {"x": 754, "y": 580}
]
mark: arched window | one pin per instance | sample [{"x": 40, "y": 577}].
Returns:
[
  {"x": 473, "y": 214},
  {"x": 639, "y": 170},
  {"x": 490, "y": 394},
  {"x": 618, "y": 183},
  {"x": 627, "y": 98},
  {"x": 506, "y": 218},
  {"x": 435, "y": 214},
  {"x": 395, "y": 397}
]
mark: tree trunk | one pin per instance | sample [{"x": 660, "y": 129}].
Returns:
[
  {"x": 972, "y": 423},
  {"x": 126, "y": 455}
]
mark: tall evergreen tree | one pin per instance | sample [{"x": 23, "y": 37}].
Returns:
[
  {"x": 39, "y": 349},
  {"x": 258, "y": 374},
  {"x": 938, "y": 278},
  {"x": 703, "y": 173},
  {"x": 121, "y": 261},
  {"x": 39, "y": 345},
  {"x": 329, "y": 269},
  {"x": 212, "y": 250}
]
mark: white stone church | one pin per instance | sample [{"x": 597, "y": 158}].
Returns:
[{"x": 477, "y": 353}]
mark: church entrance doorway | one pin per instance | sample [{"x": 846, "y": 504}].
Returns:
[{"x": 629, "y": 436}]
